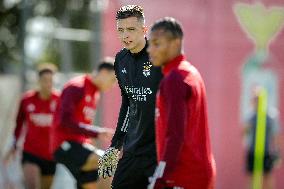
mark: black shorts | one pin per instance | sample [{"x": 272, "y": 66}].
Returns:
[
  {"x": 46, "y": 167},
  {"x": 133, "y": 172},
  {"x": 268, "y": 162},
  {"x": 74, "y": 155}
]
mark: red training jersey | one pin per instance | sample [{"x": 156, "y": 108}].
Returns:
[
  {"x": 76, "y": 112},
  {"x": 37, "y": 115},
  {"x": 182, "y": 134}
]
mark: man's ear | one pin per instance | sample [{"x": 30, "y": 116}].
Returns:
[
  {"x": 177, "y": 42},
  {"x": 145, "y": 29}
]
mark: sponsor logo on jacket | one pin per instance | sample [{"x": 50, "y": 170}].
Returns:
[
  {"x": 138, "y": 93},
  {"x": 41, "y": 119}
]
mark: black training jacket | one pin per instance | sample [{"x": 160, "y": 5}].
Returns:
[{"x": 138, "y": 80}]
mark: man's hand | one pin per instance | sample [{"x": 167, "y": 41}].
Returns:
[
  {"x": 10, "y": 155},
  {"x": 104, "y": 134},
  {"x": 108, "y": 162}
]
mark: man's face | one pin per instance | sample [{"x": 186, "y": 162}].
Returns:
[
  {"x": 46, "y": 82},
  {"x": 160, "y": 47},
  {"x": 131, "y": 32},
  {"x": 109, "y": 79}
]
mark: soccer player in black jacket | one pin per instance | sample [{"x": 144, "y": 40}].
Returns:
[{"x": 138, "y": 81}]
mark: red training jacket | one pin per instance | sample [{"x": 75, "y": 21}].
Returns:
[
  {"x": 182, "y": 134},
  {"x": 76, "y": 112},
  {"x": 37, "y": 115}
]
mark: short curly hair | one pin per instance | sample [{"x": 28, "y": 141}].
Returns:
[
  {"x": 130, "y": 11},
  {"x": 170, "y": 25}
]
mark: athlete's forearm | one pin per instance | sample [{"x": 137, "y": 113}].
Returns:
[
  {"x": 122, "y": 123},
  {"x": 19, "y": 122},
  {"x": 74, "y": 127},
  {"x": 69, "y": 100}
]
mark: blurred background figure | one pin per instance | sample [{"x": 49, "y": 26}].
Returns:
[
  {"x": 271, "y": 145},
  {"x": 35, "y": 118},
  {"x": 73, "y": 130}
]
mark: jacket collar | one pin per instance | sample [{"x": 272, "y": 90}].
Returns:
[{"x": 174, "y": 63}]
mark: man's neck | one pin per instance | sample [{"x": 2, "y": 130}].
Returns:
[{"x": 44, "y": 95}]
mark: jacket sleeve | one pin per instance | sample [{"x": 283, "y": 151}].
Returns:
[
  {"x": 21, "y": 116},
  {"x": 175, "y": 95},
  {"x": 123, "y": 119},
  {"x": 71, "y": 96}
]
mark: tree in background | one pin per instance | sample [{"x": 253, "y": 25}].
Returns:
[{"x": 74, "y": 14}]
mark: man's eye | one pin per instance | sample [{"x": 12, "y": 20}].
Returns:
[{"x": 156, "y": 44}]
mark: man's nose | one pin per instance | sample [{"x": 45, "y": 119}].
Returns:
[{"x": 125, "y": 35}]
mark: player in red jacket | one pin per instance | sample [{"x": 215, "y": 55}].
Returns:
[
  {"x": 182, "y": 136},
  {"x": 36, "y": 113},
  {"x": 74, "y": 130}
]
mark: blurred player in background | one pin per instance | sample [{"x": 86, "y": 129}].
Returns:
[
  {"x": 138, "y": 81},
  {"x": 182, "y": 135},
  {"x": 272, "y": 141},
  {"x": 36, "y": 113},
  {"x": 74, "y": 129}
]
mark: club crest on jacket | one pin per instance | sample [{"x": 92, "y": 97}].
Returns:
[{"x": 147, "y": 68}]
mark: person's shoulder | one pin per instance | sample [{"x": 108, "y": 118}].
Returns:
[
  {"x": 189, "y": 72},
  {"x": 55, "y": 93},
  {"x": 121, "y": 54},
  {"x": 175, "y": 76},
  {"x": 28, "y": 97},
  {"x": 175, "y": 84},
  {"x": 77, "y": 81},
  {"x": 187, "y": 67},
  {"x": 74, "y": 84},
  {"x": 29, "y": 94}
]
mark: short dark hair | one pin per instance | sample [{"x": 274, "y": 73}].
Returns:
[
  {"x": 170, "y": 25},
  {"x": 107, "y": 63},
  {"x": 130, "y": 11},
  {"x": 44, "y": 68}
]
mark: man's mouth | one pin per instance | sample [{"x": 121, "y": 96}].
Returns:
[{"x": 127, "y": 42}]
